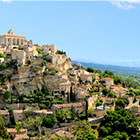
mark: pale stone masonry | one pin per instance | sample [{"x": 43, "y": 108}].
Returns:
[
  {"x": 78, "y": 106},
  {"x": 11, "y": 39},
  {"x": 18, "y": 115},
  {"x": 16, "y": 47},
  {"x": 107, "y": 81}
]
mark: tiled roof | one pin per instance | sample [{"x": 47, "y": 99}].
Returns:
[
  {"x": 13, "y": 130},
  {"x": 43, "y": 112},
  {"x": 67, "y": 105},
  {"x": 13, "y": 35},
  {"x": 21, "y": 136},
  {"x": 17, "y": 111},
  {"x": 4, "y": 112},
  {"x": 66, "y": 83},
  {"x": 107, "y": 78}
]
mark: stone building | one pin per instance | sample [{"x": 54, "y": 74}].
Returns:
[
  {"x": 18, "y": 115},
  {"x": 11, "y": 39},
  {"x": 49, "y": 49},
  {"x": 78, "y": 106},
  {"x": 65, "y": 87},
  {"x": 89, "y": 77},
  {"x": 42, "y": 113},
  {"x": 30, "y": 50},
  {"x": 135, "y": 109},
  {"x": 91, "y": 101},
  {"x": 19, "y": 55},
  {"x": 61, "y": 61},
  {"x": 13, "y": 132},
  {"x": 107, "y": 81}
]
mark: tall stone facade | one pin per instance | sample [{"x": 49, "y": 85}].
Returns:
[{"x": 11, "y": 39}]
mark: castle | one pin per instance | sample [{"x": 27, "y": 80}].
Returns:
[{"x": 16, "y": 47}]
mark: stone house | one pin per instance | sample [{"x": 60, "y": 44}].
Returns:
[
  {"x": 42, "y": 113},
  {"x": 73, "y": 78},
  {"x": 78, "y": 106},
  {"x": 21, "y": 137},
  {"x": 91, "y": 101},
  {"x": 30, "y": 50},
  {"x": 62, "y": 133},
  {"x": 61, "y": 61},
  {"x": 135, "y": 109},
  {"x": 19, "y": 55},
  {"x": 13, "y": 132},
  {"x": 107, "y": 81},
  {"x": 79, "y": 92},
  {"x": 119, "y": 91},
  {"x": 65, "y": 87},
  {"x": 5, "y": 116},
  {"x": 89, "y": 77},
  {"x": 49, "y": 49},
  {"x": 18, "y": 115}
]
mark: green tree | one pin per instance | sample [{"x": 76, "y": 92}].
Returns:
[
  {"x": 38, "y": 122},
  {"x": 89, "y": 69},
  {"x": 7, "y": 95},
  {"x": 63, "y": 115},
  {"x": 111, "y": 94},
  {"x": 105, "y": 91},
  {"x": 3, "y": 131},
  {"x": 119, "y": 124},
  {"x": 83, "y": 131},
  {"x": 74, "y": 113},
  {"x": 122, "y": 102},
  {"x": 20, "y": 125},
  {"x": 109, "y": 73},
  {"x": 49, "y": 122},
  {"x": 97, "y": 71}
]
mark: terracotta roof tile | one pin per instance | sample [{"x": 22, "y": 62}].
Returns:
[
  {"x": 107, "y": 78},
  {"x": 4, "y": 112},
  {"x": 67, "y": 105}
]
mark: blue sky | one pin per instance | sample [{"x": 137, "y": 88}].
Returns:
[{"x": 101, "y": 32}]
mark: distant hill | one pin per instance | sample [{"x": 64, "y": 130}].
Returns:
[{"x": 118, "y": 70}]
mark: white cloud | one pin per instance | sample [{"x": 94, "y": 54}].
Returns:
[{"x": 125, "y": 4}]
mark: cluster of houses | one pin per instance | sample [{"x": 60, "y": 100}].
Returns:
[
  {"x": 20, "y": 115},
  {"x": 16, "y": 47}
]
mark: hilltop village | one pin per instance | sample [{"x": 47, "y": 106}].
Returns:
[{"x": 44, "y": 96}]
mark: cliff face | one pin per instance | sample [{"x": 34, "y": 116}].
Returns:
[
  {"x": 67, "y": 64},
  {"x": 30, "y": 82}
]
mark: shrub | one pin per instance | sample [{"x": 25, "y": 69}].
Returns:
[
  {"x": 89, "y": 69},
  {"x": 60, "y": 52},
  {"x": 39, "y": 50},
  {"x": 49, "y": 122},
  {"x": 28, "y": 113},
  {"x": 105, "y": 91},
  {"x": 42, "y": 106},
  {"x": 32, "y": 134}
]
